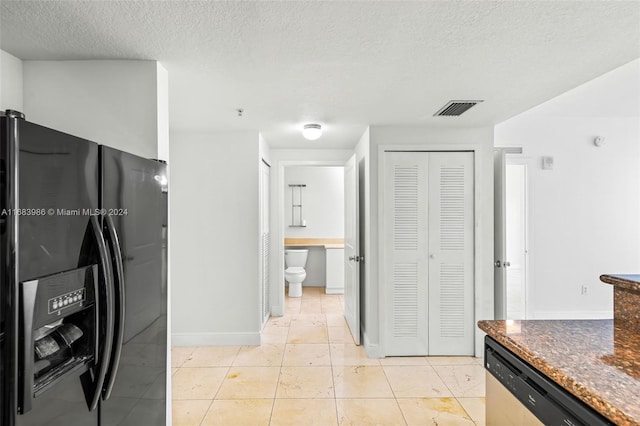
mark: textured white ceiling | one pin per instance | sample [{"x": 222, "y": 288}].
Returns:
[{"x": 345, "y": 65}]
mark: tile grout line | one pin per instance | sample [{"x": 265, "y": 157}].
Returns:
[
  {"x": 395, "y": 398},
  {"x": 333, "y": 380}
]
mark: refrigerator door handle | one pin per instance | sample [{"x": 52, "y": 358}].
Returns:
[
  {"x": 108, "y": 316},
  {"x": 116, "y": 255}
]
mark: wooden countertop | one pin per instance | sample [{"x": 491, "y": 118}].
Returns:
[
  {"x": 334, "y": 246},
  {"x": 314, "y": 242},
  {"x": 598, "y": 361}
]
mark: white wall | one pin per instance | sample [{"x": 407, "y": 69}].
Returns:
[
  {"x": 114, "y": 103},
  {"x": 478, "y": 139},
  {"x": 585, "y": 212},
  {"x": 323, "y": 201},
  {"x": 214, "y": 222},
  {"x": 281, "y": 159},
  {"x": 11, "y": 82},
  {"x": 162, "y": 107}
]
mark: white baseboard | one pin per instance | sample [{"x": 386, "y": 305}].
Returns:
[
  {"x": 373, "y": 350},
  {"x": 565, "y": 315},
  {"x": 215, "y": 339},
  {"x": 334, "y": 290}
]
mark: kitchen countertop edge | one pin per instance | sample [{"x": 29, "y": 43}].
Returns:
[
  {"x": 629, "y": 281},
  {"x": 495, "y": 329}
]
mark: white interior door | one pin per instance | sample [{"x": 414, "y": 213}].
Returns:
[
  {"x": 516, "y": 238},
  {"x": 451, "y": 254},
  {"x": 405, "y": 239},
  {"x": 352, "y": 248},
  {"x": 499, "y": 234}
]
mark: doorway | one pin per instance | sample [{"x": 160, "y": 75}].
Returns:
[
  {"x": 512, "y": 234},
  {"x": 281, "y": 221},
  {"x": 517, "y": 239}
]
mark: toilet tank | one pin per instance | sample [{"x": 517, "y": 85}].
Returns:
[{"x": 296, "y": 258}]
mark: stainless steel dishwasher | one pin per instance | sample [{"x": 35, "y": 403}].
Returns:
[{"x": 518, "y": 394}]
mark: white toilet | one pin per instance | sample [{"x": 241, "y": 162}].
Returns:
[{"x": 295, "y": 273}]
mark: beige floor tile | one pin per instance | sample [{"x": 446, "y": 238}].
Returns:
[
  {"x": 311, "y": 308},
  {"x": 292, "y": 307},
  {"x": 340, "y": 334},
  {"x": 179, "y": 354},
  {"x": 475, "y": 408},
  {"x": 454, "y": 360},
  {"x": 416, "y": 382},
  {"x": 212, "y": 356},
  {"x": 336, "y": 320},
  {"x": 249, "y": 383},
  {"x": 434, "y": 411},
  {"x": 358, "y": 412},
  {"x": 350, "y": 354},
  {"x": 305, "y": 382},
  {"x": 189, "y": 412},
  {"x": 308, "y": 320},
  {"x": 304, "y": 334},
  {"x": 464, "y": 381},
  {"x": 404, "y": 360},
  {"x": 241, "y": 412},
  {"x": 332, "y": 307},
  {"x": 265, "y": 355},
  {"x": 307, "y": 412},
  {"x": 273, "y": 339},
  {"x": 283, "y": 321},
  {"x": 173, "y": 371},
  {"x": 361, "y": 382},
  {"x": 306, "y": 354},
  {"x": 197, "y": 383}
]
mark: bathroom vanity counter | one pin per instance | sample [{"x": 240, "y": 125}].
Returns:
[{"x": 314, "y": 242}]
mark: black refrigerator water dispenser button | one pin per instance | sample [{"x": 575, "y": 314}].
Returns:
[{"x": 72, "y": 298}]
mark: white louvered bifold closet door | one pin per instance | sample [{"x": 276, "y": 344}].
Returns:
[
  {"x": 428, "y": 253},
  {"x": 405, "y": 251},
  {"x": 451, "y": 258}
]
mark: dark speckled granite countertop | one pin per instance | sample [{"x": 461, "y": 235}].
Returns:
[
  {"x": 627, "y": 281},
  {"x": 595, "y": 360}
]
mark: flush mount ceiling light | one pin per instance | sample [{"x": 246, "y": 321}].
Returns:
[{"x": 312, "y": 131}]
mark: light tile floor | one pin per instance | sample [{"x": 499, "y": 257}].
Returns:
[{"x": 308, "y": 371}]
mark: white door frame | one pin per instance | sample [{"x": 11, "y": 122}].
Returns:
[
  {"x": 264, "y": 214},
  {"x": 277, "y": 287},
  {"x": 477, "y": 203}
]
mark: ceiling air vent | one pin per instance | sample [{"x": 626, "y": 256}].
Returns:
[{"x": 455, "y": 108}]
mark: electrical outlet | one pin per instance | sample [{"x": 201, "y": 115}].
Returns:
[{"x": 584, "y": 289}]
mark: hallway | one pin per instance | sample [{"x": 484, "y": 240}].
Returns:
[{"x": 308, "y": 371}]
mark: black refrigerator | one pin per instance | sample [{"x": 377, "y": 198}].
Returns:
[{"x": 83, "y": 297}]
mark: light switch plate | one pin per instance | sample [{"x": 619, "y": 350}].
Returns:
[{"x": 547, "y": 163}]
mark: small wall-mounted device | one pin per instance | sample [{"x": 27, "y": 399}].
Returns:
[
  {"x": 547, "y": 163},
  {"x": 598, "y": 141}
]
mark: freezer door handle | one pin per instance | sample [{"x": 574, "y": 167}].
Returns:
[
  {"x": 116, "y": 351},
  {"x": 107, "y": 317}
]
